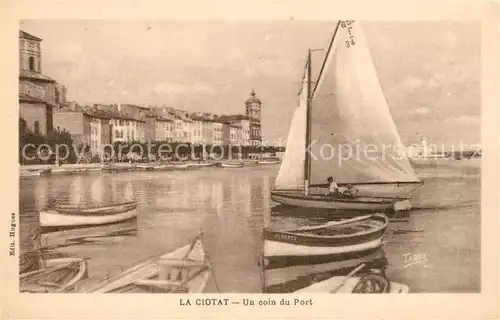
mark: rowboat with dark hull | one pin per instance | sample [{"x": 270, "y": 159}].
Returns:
[
  {"x": 332, "y": 240},
  {"x": 57, "y": 275},
  {"x": 185, "y": 270},
  {"x": 63, "y": 217}
]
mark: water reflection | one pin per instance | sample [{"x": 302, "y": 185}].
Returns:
[{"x": 232, "y": 206}]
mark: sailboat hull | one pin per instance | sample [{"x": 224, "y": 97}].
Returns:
[
  {"x": 389, "y": 190},
  {"x": 328, "y": 202}
]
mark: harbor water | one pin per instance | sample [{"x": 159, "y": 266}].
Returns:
[{"x": 433, "y": 248}]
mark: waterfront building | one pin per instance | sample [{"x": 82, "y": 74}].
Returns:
[
  {"x": 128, "y": 123},
  {"x": 163, "y": 128},
  {"x": 87, "y": 125},
  {"x": 150, "y": 125},
  {"x": 72, "y": 118},
  {"x": 253, "y": 112},
  {"x": 207, "y": 133},
  {"x": 197, "y": 128},
  {"x": 178, "y": 129},
  {"x": 38, "y": 93},
  {"x": 218, "y": 131},
  {"x": 235, "y": 134},
  {"x": 100, "y": 130},
  {"x": 159, "y": 125},
  {"x": 226, "y": 133},
  {"x": 184, "y": 126},
  {"x": 135, "y": 121},
  {"x": 242, "y": 122}
]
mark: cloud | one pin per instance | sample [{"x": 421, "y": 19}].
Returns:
[
  {"x": 204, "y": 89},
  {"x": 412, "y": 82},
  {"x": 165, "y": 88},
  {"x": 64, "y": 52},
  {"x": 464, "y": 120},
  {"x": 421, "y": 111}
]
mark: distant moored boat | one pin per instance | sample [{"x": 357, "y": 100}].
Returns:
[
  {"x": 62, "y": 217},
  {"x": 232, "y": 165}
]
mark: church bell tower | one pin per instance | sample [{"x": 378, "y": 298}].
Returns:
[{"x": 253, "y": 108}]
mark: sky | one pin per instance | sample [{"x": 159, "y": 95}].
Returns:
[{"x": 429, "y": 71}]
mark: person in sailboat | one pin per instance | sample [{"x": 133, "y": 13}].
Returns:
[
  {"x": 350, "y": 191},
  {"x": 333, "y": 188}
]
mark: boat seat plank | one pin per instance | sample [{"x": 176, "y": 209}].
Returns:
[
  {"x": 181, "y": 263},
  {"x": 49, "y": 284},
  {"x": 163, "y": 284}
]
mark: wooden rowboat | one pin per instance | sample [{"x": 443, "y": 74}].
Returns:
[
  {"x": 29, "y": 173},
  {"x": 122, "y": 206},
  {"x": 58, "y": 275},
  {"x": 364, "y": 284},
  {"x": 268, "y": 161},
  {"x": 332, "y": 240},
  {"x": 371, "y": 282},
  {"x": 147, "y": 167},
  {"x": 201, "y": 164},
  {"x": 76, "y": 170},
  {"x": 59, "y": 171},
  {"x": 184, "y": 270},
  {"x": 62, "y": 217}
]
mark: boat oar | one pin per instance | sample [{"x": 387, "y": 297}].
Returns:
[
  {"x": 347, "y": 277},
  {"x": 50, "y": 269},
  {"x": 334, "y": 223}
]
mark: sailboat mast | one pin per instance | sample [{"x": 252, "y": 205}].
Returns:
[
  {"x": 330, "y": 48},
  {"x": 307, "y": 162}
]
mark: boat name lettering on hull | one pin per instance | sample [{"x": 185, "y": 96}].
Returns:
[{"x": 285, "y": 237}]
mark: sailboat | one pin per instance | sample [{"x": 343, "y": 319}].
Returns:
[{"x": 343, "y": 128}]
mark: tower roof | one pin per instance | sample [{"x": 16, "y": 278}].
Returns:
[
  {"x": 25, "y": 35},
  {"x": 253, "y": 98}
]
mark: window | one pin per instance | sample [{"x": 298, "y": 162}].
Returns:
[
  {"x": 132, "y": 135},
  {"x": 22, "y": 125},
  {"x": 117, "y": 134},
  {"x": 56, "y": 96},
  {"x": 36, "y": 125},
  {"x": 31, "y": 61}
]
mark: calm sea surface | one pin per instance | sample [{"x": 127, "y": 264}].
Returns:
[{"x": 232, "y": 205}]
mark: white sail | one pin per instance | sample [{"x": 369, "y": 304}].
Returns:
[
  {"x": 353, "y": 135},
  {"x": 291, "y": 173}
]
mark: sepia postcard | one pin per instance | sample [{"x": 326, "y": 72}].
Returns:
[{"x": 250, "y": 160}]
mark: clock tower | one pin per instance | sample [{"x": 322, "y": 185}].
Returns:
[{"x": 253, "y": 106}]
